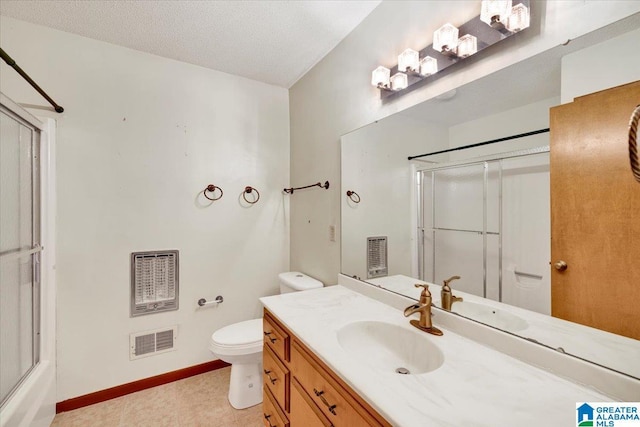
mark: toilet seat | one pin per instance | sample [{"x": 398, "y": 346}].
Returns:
[{"x": 238, "y": 338}]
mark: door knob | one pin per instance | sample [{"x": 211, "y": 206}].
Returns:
[{"x": 560, "y": 265}]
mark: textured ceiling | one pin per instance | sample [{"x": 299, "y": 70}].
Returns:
[{"x": 275, "y": 42}]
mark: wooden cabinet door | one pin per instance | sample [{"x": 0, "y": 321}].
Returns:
[
  {"x": 275, "y": 377},
  {"x": 272, "y": 414},
  {"x": 304, "y": 413},
  {"x": 595, "y": 213}
]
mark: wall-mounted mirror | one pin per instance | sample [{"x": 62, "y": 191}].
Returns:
[{"x": 481, "y": 213}]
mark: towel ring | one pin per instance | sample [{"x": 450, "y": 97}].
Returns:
[
  {"x": 633, "y": 143},
  {"x": 249, "y": 190},
  {"x": 351, "y": 194},
  {"x": 212, "y": 188}
]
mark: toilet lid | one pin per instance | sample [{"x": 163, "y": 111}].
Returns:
[
  {"x": 241, "y": 333},
  {"x": 298, "y": 281}
]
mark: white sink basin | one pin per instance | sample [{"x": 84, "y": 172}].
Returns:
[
  {"x": 390, "y": 348},
  {"x": 490, "y": 316}
]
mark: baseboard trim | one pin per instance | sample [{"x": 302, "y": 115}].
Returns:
[{"x": 132, "y": 387}]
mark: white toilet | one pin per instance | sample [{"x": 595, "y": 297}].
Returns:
[{"x": 240, "y": 344}]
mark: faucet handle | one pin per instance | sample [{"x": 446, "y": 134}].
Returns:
[
  {"x": 450, "y": 279},
  {"x": 425, "y": 291}
]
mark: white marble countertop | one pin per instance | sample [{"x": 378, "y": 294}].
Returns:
[
  {"x": 475, "y": 386},
  {"x": 604, "y": 348}
]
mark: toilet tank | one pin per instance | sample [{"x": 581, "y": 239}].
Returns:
[{"x": 293, "y": 281}]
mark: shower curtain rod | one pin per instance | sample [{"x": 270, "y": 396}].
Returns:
[
  {"x": 25, "y": 76},
  {"x": 479, "y": 144}
]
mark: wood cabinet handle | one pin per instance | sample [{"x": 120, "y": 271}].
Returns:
[
  {"x": 273, "y": 380},
  {"x": 560, "y": 265},
  {"x": 268, "y": 335},
  {"x": 332, "y": 408},
  {"x": 267, "y": 417}
]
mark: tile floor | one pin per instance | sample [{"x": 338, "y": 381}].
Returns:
[{"x": 199, "y": 401}]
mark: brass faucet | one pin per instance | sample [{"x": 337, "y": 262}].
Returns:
[
  {"x": 424, "y": 308},
  {"x": 446, "y": 297}
]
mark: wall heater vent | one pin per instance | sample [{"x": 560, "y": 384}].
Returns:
[
  {"x": 376, "y": 257},
  {"x": 149, "y": 343},
  {"x": 154, "y": 282}
]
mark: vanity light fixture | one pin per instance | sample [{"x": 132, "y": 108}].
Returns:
[
  {"x": 467, "y": 45},
  {"x": 495, "y": 12},
  {"x": 498, "y": 20},
  {"x": 380, "y": 78},
  {"x": 519, "y": 18},
  {"x": 428, "y": 66},
  {"x": 408, "y": 61},
  {"x": 445, "y": 39},
  {"x": 399, "y": 81}
]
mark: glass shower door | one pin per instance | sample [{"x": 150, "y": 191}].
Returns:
[
  {"x": 19, "y": 252},
  {"x": 488, "y": 222},
  {"x": 461, "y": 223}
]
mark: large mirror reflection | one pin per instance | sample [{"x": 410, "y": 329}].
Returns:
[{"x": 541, "y": 229}]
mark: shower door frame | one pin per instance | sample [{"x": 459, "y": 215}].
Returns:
[
  {"x": 33, "y": 401},
  {"x": 432, "y": 168}
]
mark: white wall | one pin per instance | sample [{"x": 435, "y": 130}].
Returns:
[
  {"x": 518, "y": 120},
  {"x": 605, "y": 65},
  {"x": 335, "y": 97},
  {"x": 140, "y": 138},
  {"x": 375, "y": 166}
]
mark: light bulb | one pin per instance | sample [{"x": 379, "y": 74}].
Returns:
[
  {"x": 467, "y": 45},
  {"x": 428, "y": 66},
  {"x": 519, "y": 18},
  {"x": 495, "y": 12},
  {"x": 399, "y": 81},
  {"x": 408, "y": 61},
  {"x": 380, "y": 77},
  {"x": 445, "y": 38}
]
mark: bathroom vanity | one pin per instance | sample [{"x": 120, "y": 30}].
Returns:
[
  {"x": 337, "y": 357},
  {"x": 300, "y": 389}
]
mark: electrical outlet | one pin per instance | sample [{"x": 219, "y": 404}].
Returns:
[{"x": 332, "y": 233}]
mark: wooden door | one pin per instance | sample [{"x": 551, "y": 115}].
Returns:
[{"x": 595, "y": 213}]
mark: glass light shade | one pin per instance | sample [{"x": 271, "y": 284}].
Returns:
[
  {"x": 519, "y": 18},
  {"x": 467, "y": 45},
  {"x": 445, "y": 38},
  {"x": 408, "y": 61},
  {"x": 380, "y": 76},
  {"x": 495, "y": 8},
  {"x": 399, "y": 81},
  {"x": 428, "y": 66}
]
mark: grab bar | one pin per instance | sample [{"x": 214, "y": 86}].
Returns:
[
  {"x": 203, "y": 302},
  {"x": 533, "y": 276}
]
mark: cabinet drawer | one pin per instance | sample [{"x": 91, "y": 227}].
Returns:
[
  {"x": 272, "y": 415},
  {"x": 275, "y": 338},
  {"x": 333, "y": 400},
  {"x": 276, "y": 377},
  {"x": 304, "y": 413}
]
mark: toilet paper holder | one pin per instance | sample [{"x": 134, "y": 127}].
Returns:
[{"x": 202, "y": 302}]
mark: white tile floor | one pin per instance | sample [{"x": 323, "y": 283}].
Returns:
[{"x": 197, "y": 401}]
